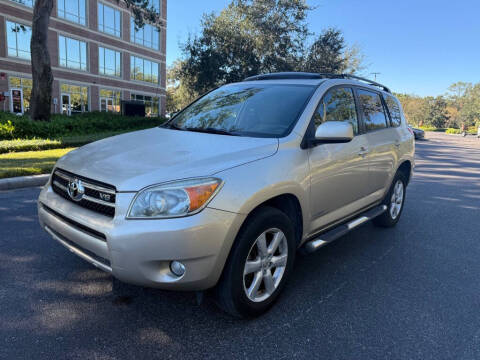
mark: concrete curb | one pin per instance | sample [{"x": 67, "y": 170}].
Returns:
[{"x": 23, "y": 181}]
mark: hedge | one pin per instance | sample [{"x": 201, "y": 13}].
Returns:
[
  {"x": 22, "y": 127},
  {"x": 18, "y": 145}
]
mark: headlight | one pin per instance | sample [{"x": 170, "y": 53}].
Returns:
[{"x": 174, "y": 199}]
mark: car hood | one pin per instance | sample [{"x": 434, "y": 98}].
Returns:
[{"x": 135, "y": 160}]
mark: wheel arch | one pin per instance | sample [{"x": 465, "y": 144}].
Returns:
[{"x": 406, "y": 168}]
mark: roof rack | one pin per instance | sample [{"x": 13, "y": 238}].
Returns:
[{"x": 313, "y": 76}]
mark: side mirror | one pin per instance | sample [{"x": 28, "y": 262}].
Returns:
[{"x": 332, "y": 132}]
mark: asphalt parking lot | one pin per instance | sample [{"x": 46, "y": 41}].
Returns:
[{"x": 412, "y": 292}]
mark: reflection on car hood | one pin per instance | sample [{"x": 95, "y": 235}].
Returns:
[{"x": 142, "y": 158}]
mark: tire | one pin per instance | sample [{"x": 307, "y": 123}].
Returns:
[
  {"x": 391, "y": 217},
  {"x": 235, "y": 292}
]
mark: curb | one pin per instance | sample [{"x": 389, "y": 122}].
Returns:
[{"x": 23, "y": 181}]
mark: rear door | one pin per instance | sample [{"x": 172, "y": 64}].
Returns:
[{"x": 382, "y": 141}]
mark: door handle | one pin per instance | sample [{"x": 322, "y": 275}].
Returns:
[{"x": 363, "y": 151}]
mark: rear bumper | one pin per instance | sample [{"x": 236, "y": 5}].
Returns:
[{"x": 140, "y": 251}]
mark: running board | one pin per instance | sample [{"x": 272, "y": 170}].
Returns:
[{"x": 341, "y": 230}]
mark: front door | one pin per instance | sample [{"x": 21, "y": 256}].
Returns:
[
  {"x": 66, "y": 106},
  {"x": 106, "y": 104},
  {"x": 17, "y": 101},
  {"x": 339, "y": 172}
]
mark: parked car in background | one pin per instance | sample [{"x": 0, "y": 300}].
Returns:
[
  {"x": 224, "y": 194},
  {"x": 417, "y": 133}
]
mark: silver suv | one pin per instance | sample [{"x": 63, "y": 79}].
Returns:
[{"x": 226, "y": 192}]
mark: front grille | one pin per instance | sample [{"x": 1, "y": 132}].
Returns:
[
  {"x": 78, "y": 226},
  {"x": 97, "y": 196}
]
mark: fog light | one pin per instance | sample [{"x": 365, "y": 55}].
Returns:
[{"x": 177, "y": 268}]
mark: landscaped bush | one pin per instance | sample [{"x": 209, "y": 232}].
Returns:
[
  {"x": 18, "y": 145},
  {"x": 429, "y": 128},
  {"x": 22, "y": 127},
  {"x": 453, "y": 131}
]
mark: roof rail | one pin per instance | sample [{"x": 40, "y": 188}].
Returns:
[{"x": 313, "y": 76}]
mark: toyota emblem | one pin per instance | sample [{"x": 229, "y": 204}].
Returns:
[{"x": 75, "y": 189}]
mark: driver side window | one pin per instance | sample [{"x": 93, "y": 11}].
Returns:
[{"x": 338, "y": 104}]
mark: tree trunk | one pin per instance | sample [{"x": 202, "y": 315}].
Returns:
[{"x": 41, "y": 98}]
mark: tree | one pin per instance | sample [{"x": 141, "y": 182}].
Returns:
[
  {"x": 251, "y": 37},
  {"x": 329, "y": 54},
  {"x": 42, "y": 77},
  {"x": 178, "y": 95},
  {"x": 438, "y": 115}
]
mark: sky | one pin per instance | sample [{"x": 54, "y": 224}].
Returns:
[{"x": 418, "y": 47}]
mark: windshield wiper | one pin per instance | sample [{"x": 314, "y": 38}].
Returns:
[
  {"x": 210, "y": 130},
  {"x": 172, "y": 126}
]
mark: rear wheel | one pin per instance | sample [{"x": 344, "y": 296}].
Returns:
[
  {"x": 259, "y": 264},
  {"x": 394, "y": 201}
]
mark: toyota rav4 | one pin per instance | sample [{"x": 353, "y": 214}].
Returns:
[{"x": 224, "y": 194}]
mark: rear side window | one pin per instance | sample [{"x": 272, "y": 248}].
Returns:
[
  {"x": 394, "y": 110},
  {"x": 338, "y": 104},
  {"x": 372, "y": 110}
]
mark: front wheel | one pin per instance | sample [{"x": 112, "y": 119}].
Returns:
[
  {"x": 394, "y": 201},
  {"x": 259, "y": 264}
]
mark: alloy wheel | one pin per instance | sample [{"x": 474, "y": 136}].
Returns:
[
  {"x": 396, "y": 201},
  {"x": 265, "y": 265}
]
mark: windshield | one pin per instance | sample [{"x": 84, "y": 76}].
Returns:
[{"x": 246, "y": 110}]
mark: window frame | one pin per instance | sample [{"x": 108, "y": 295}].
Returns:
[
  {"x": 79, "y": 17},
  {"x": 343, "y": 86},
  {"x": 120, "y": 76},
  {"x": 360, "y": 109},
  {"x": 8, "y": 47},
  {"x": 384, "y": 98},
  {"x": 87, "y": 58},
  {"x": 132, "y": 63},
  {"x": 120, "y": 36},
  {"x": 22, "y": 4},
  {"x": 133, "y": 37}
]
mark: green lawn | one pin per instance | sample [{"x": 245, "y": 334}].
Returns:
[{"x": 29, "y": 162}]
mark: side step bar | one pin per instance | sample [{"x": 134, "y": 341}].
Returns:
[{"x": 341, "y": 230}]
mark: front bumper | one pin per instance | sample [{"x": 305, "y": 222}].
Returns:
[{"x": 140, "y": 251}]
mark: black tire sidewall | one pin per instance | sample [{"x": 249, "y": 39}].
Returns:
[{"x": 262, "y": 220}]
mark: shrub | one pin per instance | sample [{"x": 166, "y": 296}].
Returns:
[
  {"x": 6, "y": 129},
  {"x": 21, "y": 127},
  {"x": 18, "y": 145},
  {"x": 430, "y": 128},
  {"x": 453, "y": 131}
]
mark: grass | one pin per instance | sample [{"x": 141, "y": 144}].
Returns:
[
  {"x": 29, "y": 162},
  {"x": 20, "y": 145}
]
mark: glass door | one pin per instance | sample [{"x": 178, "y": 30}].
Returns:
[
  {"x": 106, "y": 104},
  {"x": 66, "y": 106},
  {"x": 17, "y": 101}
]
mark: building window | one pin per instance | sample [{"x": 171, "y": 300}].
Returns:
[
  {"x": 74, "y": 98},
  {"x": 110, "y": 100},
  {"x": 109, "y": 62},
  {"x": 28, "y": 3},
  {"x": 72, "y": 53},
  {"x": 18, "y": 40},
  {"x": 151, "y": 103},
  {"x": 109, "y": 20},
  {"x": 143, "y": 70},
  {"x": 147, "y": 36},
  {"x": 72, "y": 10},
  {"x": 26, "y": 86},
  {"x": 155, "y": 4}
]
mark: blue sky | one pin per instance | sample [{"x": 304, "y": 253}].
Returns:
[{"x": 419, "y": 47}]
